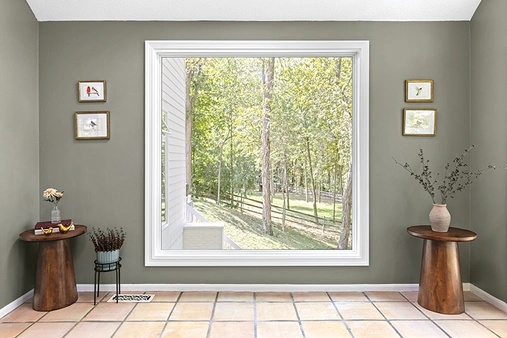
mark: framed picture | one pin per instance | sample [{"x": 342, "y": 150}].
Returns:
[
  {"x": 419, "y": 90},
  {"x": 92, "y": 125},
  {"x": 92, "y": 91},
  {"x": 419, "y": 122}
]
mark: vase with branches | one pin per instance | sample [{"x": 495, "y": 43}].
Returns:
[{"x": 456, "y": 177}]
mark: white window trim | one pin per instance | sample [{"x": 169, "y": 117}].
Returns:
[{"x": 359, "y": 255}]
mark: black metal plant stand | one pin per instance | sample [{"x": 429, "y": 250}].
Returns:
[{"x": 106, "y": 267}]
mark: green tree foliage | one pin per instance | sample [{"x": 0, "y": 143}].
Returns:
[{"x": 310, "y": 125}]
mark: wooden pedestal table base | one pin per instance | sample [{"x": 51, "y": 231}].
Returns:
[
  {"x": 55, "y": 281},
  {"x": 440, "y": 285}
]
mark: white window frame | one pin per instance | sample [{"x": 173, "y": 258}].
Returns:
[{"x": 359, "y": 255}]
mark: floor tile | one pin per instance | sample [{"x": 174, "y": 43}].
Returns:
[
  {"x": 273, "y": 297},
  {"x": 151, "y": 311},
  {"x": 325, "y": 329},
  {"x": 369, "y": 329},
  {"x": 112, "y": 312},
  {"x": 23, "y": 313},
  {"x": 87, "y": 297},
  {"x": 234, "y": 311},
  {"x": 278, "y": 330},
  {"x": 317, "y": 311},
  {"x": 52, "y": 330},
  {"x": 72, "y": 313},
  {"x": 385, "y": 296},
  {"x": 435, "y": 315},
  {"x": 235, "y": 297},
  {"x": 93, "y": 330},
  {"x": 410, "y": 295},
  {"x": 165, "y": 296},
  {"x": 497, "y": 326},
  {"x": 464, "y": 329},
  {"x": 8, "y": 330},
  {"x": 140, "y": 329},
  {"x": 358, "y": 310},
  {"x": 186, "y": 330},
  {"x": 311, "y": 297},
  {"x": 275, "y": 311},
  {"x": 348, "y": 297},
  {"x": 470, "y": 297},
  {"x": 483, "y": 310},
  {"x": 398, "y": 310},
  {"x": 418, "y": 329},
  {"x": 232, "y": 329},
  {"x": 198, "y": 297},
  {"x": 192, "y": 311}
]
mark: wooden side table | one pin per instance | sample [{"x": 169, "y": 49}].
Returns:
[
  {"x": 55, "y": 281},
  {"x": 440, "y": 286}
]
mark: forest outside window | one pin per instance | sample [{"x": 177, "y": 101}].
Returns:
[{"x": 256, "y": 153}]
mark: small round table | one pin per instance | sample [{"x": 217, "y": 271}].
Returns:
[
  {"x": 55, "y": 281},
  {"x": 440, "y": 286}
]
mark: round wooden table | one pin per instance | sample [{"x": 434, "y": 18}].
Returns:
[
  {"x": 55, "y": 281},
  {"x": 440, "y": 286}
]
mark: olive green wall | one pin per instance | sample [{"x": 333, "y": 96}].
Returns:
[
  {"x": 19, "y": 146},
  {"x": 488, "y": 121},
  {"x": 104, "y": 180}
]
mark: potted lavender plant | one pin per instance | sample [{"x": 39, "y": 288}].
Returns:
[
  {"x": 107, "y": 243},
  {"x": 457, "y": 177}
]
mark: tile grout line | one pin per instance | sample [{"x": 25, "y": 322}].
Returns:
[
  {"x": 428, "y": 317},
  {"x": 212, "y": 315},
  {"x": 170, "y": 313},
  {"x": 297, "y": 315},
  {"x": 341, "y": 316},
  {"x": 387, "y": 320},
  {"x": 255, "y": 313}
]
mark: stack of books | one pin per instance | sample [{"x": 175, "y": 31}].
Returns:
[{"x": 47, "y": 227}]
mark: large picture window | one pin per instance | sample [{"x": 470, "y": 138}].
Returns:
[{"x": 256, "y": 153}]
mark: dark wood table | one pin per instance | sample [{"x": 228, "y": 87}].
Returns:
[
  {"x": 440, "y": 286},
  {"x": 55, "y": 281}
]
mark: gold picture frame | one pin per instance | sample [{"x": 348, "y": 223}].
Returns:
[
  {"x": 92, "y": 91},
  {"x": 419, "y": 122},
  {"x": 419, "y": 90},
  {"x": 92, "y": 125}
]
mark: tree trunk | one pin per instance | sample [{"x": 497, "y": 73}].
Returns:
[
  {"x": 268, "y": 75},
  {"x": 312, "y": 180},
  {"x": 285, "y": 190},
  {"x": 189, "y": 108},
  {"x": 334, "y": 193},
  {"x": 343, "y": 242}
]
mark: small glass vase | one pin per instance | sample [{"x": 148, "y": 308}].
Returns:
[{"x": 55, "y": 215}]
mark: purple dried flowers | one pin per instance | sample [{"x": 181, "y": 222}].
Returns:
[{"x": 107, "y": 240}]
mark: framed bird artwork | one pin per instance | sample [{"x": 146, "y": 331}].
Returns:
[
  {"x": 92, "y": 125},
  {"x": 92, "y": 91},
  {"x": 419, "y": 90}
]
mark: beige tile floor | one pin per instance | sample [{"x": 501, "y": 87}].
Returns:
[{"x": 257, "y": 315}]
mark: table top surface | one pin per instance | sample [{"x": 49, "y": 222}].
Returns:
[
  {"x": 29, "y": 236},
  {"x": 453, "y": 235}
]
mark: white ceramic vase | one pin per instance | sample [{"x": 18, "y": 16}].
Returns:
[{"x": 440, "y": 218}]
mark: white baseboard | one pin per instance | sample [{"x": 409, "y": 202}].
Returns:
[
  {"x": 254, "y": 287},
  {"x": 15, "y": 303},
  {"x": 488, "y": 298}
]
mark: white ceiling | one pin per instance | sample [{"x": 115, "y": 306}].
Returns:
[{"x": 253, "y": 10}]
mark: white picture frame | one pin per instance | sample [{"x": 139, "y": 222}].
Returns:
[
  {"x": 92, "y": 91},
  {"x": 92, "y": 125},
  {"x": 419, "y": 90},
  {"x": 419, "y": 122}
]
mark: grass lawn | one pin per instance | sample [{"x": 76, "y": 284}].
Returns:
[{"x": 245, "y": 228}]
